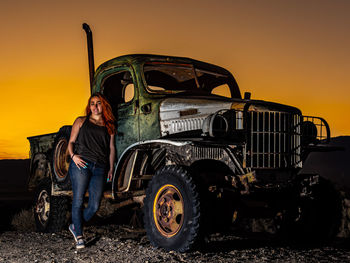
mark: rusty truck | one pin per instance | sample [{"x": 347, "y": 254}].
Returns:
[{"x": 193, "y": 153}]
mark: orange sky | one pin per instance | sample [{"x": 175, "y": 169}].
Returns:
[{"x": 292, "y": 52}]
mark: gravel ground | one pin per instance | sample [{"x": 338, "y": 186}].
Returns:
[{"x": 116, "y": 243}]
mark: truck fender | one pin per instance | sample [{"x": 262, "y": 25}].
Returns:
[
  {"x": 182, "y": 153},
  {"x": 128, "y": 160},
  {"x": 39, "y": 170}
]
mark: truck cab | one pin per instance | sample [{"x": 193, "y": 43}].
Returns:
[{"x": 137, "y": 86}]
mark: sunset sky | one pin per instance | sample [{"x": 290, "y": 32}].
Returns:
[{"x": 291, "y": 52}]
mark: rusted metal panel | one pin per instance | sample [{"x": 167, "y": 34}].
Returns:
[
  {"x": 240, "y": 178},
  {"x": 188, "y": 152},
  {"x": 140, "y": 59},
  {"x": 41, "y": 143},
  {"x": 149, "y": 119},
  {"x": 126, "y": 113},
  {"x": 128, "y": 128},
  {"x": 193, "y": 152},
  {"x": 39, "y": 170},
  {"x": 40, "y": 147},
  {"x": 120, "y": 177}
]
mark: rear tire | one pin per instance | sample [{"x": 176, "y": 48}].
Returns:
[
  {"x": 172, "y": 210},
  {"x": 61, "y": 158},
  {"x": 315, "y": 218},
  {"x": 50, "y": 212}
]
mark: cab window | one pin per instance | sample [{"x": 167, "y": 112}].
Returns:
[{"x": 119, "y": 88}]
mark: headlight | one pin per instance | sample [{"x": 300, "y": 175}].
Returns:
[
  {"x": 219, "y": 126},
  {"x": 308, "y": 132},
  {"x": 216, "y": 125}
]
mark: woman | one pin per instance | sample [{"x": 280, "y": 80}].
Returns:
[{"x": 91, "y": 148}]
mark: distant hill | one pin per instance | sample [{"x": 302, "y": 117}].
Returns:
[
  {"x": 13, "y": 189},
  {"x": 13, "y": 178}
]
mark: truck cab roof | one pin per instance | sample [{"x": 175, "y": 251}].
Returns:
[{"x": 138, "y": 60}]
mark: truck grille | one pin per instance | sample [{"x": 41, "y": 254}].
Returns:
[{"x": 273, "y": 140}]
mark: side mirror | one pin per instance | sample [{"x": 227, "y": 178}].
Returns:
[{"x": 247, "y": 95}]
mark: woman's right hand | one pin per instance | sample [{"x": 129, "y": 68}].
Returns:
[{"x": 80, "y": 163}]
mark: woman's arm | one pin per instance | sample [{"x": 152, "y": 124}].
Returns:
[
  {"x": 111, "y": 158},
  {"x": 73, "y": 136}
]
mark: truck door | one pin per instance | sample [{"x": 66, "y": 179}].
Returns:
[{"x": 122, "y": 94}]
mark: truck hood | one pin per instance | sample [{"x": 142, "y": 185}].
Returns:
[
  {"x": 179, "y": 108},
  {"x": 186, "y": 114},
  {"x": 178, "y": 115}
]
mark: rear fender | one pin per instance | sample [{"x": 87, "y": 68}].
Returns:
[{"x": 39, "y": 170}]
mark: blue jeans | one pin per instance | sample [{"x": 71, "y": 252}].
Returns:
[{"x": 92, "y": 179}]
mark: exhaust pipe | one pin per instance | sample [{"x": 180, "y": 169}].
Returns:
[{"x": 90, "y": 54}]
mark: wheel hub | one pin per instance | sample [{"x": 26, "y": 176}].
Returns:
[
  {"x": 61, "y": 159},
  {"x": 168, "y": 210},
  {"x": 42, "y": 208}
]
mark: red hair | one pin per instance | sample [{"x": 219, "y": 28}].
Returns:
[{"x": 107, "y": 115}]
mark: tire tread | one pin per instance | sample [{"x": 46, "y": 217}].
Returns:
[{"x": 194, "y": 236}]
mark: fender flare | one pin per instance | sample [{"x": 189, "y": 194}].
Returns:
[
  {"x": 183, "y": 153},
  {"x": 128, "y": 152}
]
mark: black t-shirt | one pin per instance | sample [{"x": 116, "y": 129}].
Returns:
[{"x": 92, "y": 143}]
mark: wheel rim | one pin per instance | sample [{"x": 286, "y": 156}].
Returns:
[
  {"x": 42, "y": 208},
  {"x": 168, "y": 210},
  {"x": 61, "y": 159}
]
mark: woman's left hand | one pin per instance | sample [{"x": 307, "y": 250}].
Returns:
[{"x": 109, "y": 176}]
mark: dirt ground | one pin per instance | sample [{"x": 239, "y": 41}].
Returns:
[
  {"x": 120, "y": 243},
  {"x": 114, "y": 243}
]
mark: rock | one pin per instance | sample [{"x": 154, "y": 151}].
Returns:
[{"x": 40, "y": 247}]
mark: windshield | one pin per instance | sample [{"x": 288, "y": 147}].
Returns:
[{"x": 170, "y": 78}]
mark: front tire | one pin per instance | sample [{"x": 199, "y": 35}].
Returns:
[
  {"x": 50, "y": 212},
  {"x": 172, "y": 210}
]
